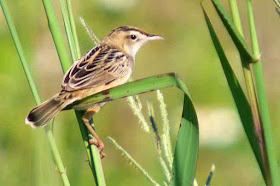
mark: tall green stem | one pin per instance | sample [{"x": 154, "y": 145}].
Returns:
[
  {"x": 248, "y": 75},
  {"x": 262, "y": 98},
  {"x": 71, "y": 42},
  {"x": 55, "y": 152},
  {"x": 73, "y": 28},
  {"x": 92, "y": 151},
  {"x": 57, "y": 36},
  {"x": 235, "y": 16}
]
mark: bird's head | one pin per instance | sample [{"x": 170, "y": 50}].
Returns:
[{"x": 129, "y": 39}]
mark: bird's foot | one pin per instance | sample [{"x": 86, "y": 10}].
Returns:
[{"x": 99, "y": 145}]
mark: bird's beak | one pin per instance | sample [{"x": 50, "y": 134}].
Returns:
[{"x": 154, "y": 37}]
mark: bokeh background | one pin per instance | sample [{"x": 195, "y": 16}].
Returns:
[{"x": 25, "y": 157}]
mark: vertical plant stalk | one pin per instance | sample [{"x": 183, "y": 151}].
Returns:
[
  {"x": 92, "y": 151},
  {"x": 73, "y": 28},
  {"x": 94, "y": 159},
  {"x": 50, "y": 137},
  {"x": 57, "y": 36},
  {"x": 248, "y": 75},
  {"x": 235, "y": 16},
  {"x": 262, "y": 98},
  {"x": 241, "y": 102},
  {"x": 68, "y": 30}
]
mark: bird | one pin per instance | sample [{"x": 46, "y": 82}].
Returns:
[{"x": 105, "y": 66}]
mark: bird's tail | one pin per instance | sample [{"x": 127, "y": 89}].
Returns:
[{"x": 42, "y": 114}]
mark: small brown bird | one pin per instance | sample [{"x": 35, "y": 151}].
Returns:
[{"x": 105, "y": 66}]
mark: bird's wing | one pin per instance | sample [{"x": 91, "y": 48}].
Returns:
[{"x": 100, "y": 66}]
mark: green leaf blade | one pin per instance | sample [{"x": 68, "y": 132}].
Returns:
[
  {"x": 57, "y": 35},
  {"x": 239, "y": 97},
  {"x": 234, "y": 33}
]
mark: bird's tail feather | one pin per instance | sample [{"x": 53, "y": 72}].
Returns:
[{"x": 42, "y": 114}]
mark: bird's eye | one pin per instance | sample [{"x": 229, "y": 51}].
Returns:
[{"x": 133, "y": 37}]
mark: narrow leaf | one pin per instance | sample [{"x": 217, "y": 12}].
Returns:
[
  {"x": 73, "y": 28},
  {"x": 68, "y": 30},
  {"x": 239, "y": 97},
  {"x": 235, "y": 35},
  {"x": 57, "y": 35}
]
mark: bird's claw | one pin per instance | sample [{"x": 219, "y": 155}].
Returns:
[{"x": 99, "y": 145}]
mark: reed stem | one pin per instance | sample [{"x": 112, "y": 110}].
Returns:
[
  {"x": 50, "y": 137},
  {"x": 263, "y": 103}
]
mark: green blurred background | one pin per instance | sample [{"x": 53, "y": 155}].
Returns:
[{"x": 25, "y": 157}]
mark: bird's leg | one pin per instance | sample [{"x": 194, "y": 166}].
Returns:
[{"x": 97, "y": 142}]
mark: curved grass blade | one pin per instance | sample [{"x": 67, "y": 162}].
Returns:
[
  {"x": 186, "y": 151},
  {"x": 17, "y": 43},
  {"x": 239, "y": 97}
]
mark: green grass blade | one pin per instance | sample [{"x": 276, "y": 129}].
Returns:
[
  {"x": 239, "y": 97},
  {"x": 57, "y": 36},
  {"x": 251, "y": 91},
  {"x": 236, "y": 17},
  {"x": 17, "y": 43},
  {"x": 186, "y": 148},
  {"x": 186, "y": 151},
  {"x": 93, "y": 156},
  {"x": 262, "y": 97},
  {"x": 130, "y": 89},
  {"x": 234, "y": 33},
  {"x": 73, "y": 28},
  {"x": 68, "y": 30}
]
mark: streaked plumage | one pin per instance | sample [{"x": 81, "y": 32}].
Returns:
[{"x": 105, "y": 66}]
